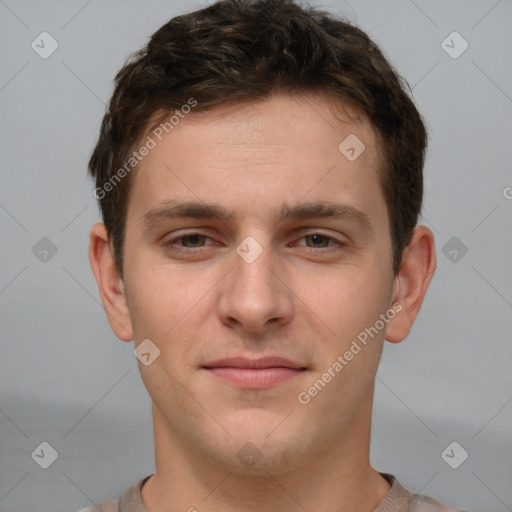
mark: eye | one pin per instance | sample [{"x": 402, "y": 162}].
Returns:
[
  {"x": 189, "y": 241},
  {"x": 320, "y": 241}
]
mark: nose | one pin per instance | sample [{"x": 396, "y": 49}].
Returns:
[{"x": 255, "y": 295}]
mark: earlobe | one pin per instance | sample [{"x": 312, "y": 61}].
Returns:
[
  {"x": 412, "y": 281},
  {"x": 110, "y": 285}
]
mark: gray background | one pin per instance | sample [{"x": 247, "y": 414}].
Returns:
[{"x": 65, "y": 378}]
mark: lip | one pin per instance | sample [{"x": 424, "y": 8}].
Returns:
[
  {"x": 259, "y": 373},
  {"x": 261, "y": 362}
]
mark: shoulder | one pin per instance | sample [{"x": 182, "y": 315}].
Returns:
[
  {"x": 400, "y": 499},
  {"x": 131, "y": 501},
  {"x": 104, "y": 506},
  {"x": 421, "y": 503}
]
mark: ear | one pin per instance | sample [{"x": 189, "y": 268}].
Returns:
[
  {"x": 411, "y": 282},
  {"x": 109, "y": 283}
]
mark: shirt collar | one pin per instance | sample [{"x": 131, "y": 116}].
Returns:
[{"x": 396, "y": 500}]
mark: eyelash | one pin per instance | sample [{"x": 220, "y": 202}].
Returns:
[{"x": 170, "y": 244}]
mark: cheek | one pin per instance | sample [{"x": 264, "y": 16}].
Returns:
[
  {"x": 153, "y": 298},
  {"x": 340, "y": 305},
  {"x": 344, "y": 294},
  {"x": 167, "y": 303}
]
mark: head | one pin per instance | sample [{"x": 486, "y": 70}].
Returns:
[
  {"x": 243, "y": 52},
  {"x": 242, "y": 110}
]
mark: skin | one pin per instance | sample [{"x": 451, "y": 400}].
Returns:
[{"x": 305, "y": 298}]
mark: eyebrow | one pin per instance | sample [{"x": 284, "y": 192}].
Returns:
[{"x": 200, "y": 210}]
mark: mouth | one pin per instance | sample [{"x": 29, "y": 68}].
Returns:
[{"x": 259, "y": 373}]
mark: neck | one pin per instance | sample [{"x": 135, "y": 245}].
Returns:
[{"x": 336, "y": 477}]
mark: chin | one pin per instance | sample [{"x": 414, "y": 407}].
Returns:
[
  {"x": 262, "y": 444},
  {"x": 259, "y": 457}
]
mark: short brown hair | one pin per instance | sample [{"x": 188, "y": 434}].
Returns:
[{"x": 247, "y": 50}]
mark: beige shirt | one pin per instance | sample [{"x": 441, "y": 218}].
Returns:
[{"x": 398, "y": 499}]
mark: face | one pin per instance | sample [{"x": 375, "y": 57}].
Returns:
[{"x": 256, "y": 254}]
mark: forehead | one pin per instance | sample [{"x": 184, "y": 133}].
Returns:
[
  {"x": 289, "y": 146},
  {"x": 304, "y": 115}
]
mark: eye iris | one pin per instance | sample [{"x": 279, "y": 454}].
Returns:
[
  {"x": 194, "y": 238},
  {"x": 319, "y": 238}
]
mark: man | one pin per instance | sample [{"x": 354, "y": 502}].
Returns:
[{"x": 259, "y": 173}]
